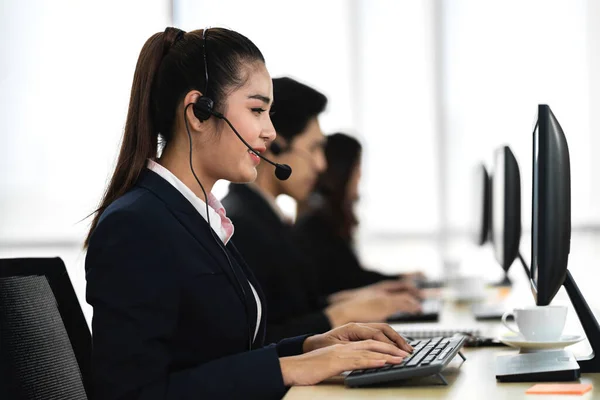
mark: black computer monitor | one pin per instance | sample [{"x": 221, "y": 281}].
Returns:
[
  {"x": 505, "y": 222},
  {"x": 551, "y": 207},
  {"x": 551, "y": 227},
  {"x": 506, "y": 207},
  {"x": 479, "y": 224}
]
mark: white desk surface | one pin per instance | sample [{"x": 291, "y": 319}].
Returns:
[{"x": 474, "y": 378}]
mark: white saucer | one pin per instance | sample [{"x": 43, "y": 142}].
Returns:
[
  {"x": 465, "y": 296},
  {"x": 527, "y": 346}
]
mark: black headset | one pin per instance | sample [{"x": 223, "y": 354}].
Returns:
[{"x": 203, "y": 107}]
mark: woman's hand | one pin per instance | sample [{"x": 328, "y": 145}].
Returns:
[
  {"x": 354, "y": 332},
  {"x": 395, "y": 286},
  {"x": 387, "y": 286},
  {"x": 313, "y": 367},
  {"x": 416, "y": 275},
  {"x": 376, "y": 307}
]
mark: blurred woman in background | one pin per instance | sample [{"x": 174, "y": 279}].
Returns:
[{"x": 326, "y": 223}]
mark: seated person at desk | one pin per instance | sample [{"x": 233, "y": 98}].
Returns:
[
  {"x": 177, "y": 312},
  {"x": 266, "y": 240},
  {"x": 326, "y": 221}
]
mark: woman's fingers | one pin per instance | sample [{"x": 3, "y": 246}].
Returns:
[
  {"x": 367, "y": 359},
  {"x": 392, "y": 335},
  {"x": 379, "y": 347},
  {"x": 407, "y": 303},
  {"x": 366, "y": 331}
]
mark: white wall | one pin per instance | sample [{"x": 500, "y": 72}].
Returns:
[
  {"x": 593, "y": 48},
  {"x": 398, "y": 120},
  {"x": 66, "y": 76},
  {"x": 69, "y": 65},
  {"x": 500, "y": 59}
]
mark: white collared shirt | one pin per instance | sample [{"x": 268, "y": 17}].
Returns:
[{"x": 218, "y": 219}]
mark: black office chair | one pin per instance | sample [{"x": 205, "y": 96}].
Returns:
[{"x": 45, "y": 343}]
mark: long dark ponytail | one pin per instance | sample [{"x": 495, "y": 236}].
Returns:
[{"x": 170, "y": 64}]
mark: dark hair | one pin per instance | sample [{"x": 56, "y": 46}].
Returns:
[
  {"x": 295, "y": 104},
  {"x": 342, "y": 153},
  {"x": 171, "y": 64}
]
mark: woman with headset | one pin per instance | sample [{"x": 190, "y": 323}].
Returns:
[{"x": 177, "y": 313}]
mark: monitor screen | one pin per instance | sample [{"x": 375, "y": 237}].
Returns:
[
  {"x": 498, "y": 206},
  {"x": 551, "y": 207},
  {"x": 506, "y": 207},
  {"x": 480, "y": 213},
  {"x": 534, "y": 209}
]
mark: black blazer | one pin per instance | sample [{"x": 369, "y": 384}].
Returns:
[
  {"x": 337, "y": 264},
  {"x": 284, "y": 272},
  {"x": 169, "y": 319}
]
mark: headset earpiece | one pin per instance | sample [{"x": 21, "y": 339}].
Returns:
[
  {"x": 203, "y": 108},
  {"x": 276, "y": 149}
]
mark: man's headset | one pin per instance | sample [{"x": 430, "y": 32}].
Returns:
[{"x": 277, "y": 149}]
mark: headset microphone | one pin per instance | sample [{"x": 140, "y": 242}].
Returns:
[
  {"x": 203, "y": 108},
  {"x": 283, "y": 171}
]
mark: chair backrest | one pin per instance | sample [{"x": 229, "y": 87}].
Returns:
[{"x": 45, "y": 342}]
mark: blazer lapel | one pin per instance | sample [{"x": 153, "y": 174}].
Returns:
[
  {"x": 189, "y": 217},
  {"x": 260, "y": 337}
]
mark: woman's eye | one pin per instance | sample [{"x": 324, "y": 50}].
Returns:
[{"x": 258, "y": 110}]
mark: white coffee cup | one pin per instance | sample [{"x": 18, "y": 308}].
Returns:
[
  {"x": 538, "y": 323},
  {"x": 467, "y": 287}
]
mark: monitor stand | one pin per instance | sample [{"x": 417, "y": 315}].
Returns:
[
  {"x": 589, "y": 363},
  {"x": 505, "y": 282},
  {"x": 524, "y": 265},
  {"x": 543, "y": 366}
]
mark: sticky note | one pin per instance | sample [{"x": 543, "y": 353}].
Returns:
[
  {"x": 503, "y": 292},
  {"x": 560, "y": 388}
]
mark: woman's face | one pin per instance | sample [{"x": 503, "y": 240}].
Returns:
[
  {"x": 353, "y": 183},
  {"x": 247, "y": 108}
]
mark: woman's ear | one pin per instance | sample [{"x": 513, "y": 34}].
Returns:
[{"x": 188, "y": 106}]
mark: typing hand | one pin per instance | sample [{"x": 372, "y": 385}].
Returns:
[
  {"x": 313, "y": 367},
  {"x": 414, "y": 276},
  {"x": 400, "y": 285},
  {"x": 374, "y": 308},
  {"x": 354, "y": 332},
  {"x": 388, "y": 286}
]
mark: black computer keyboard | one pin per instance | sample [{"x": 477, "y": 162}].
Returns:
[
  {"x": 430, "y": 283},
  {"x": 430, "y": 312},
  {"x": 486, "y": 312},
  {"x": 429, "y": 357}
]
